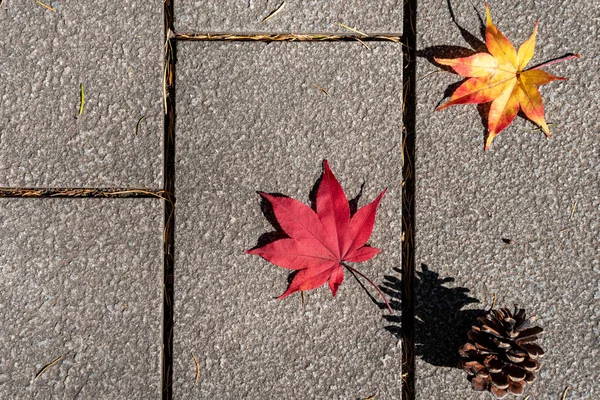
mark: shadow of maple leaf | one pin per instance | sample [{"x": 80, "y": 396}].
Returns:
[{"x": 440, "y": 319}]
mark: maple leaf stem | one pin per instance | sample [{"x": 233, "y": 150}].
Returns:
[
  {"x": 566, "y": 57},
  {"x": 372, "y": 284}
]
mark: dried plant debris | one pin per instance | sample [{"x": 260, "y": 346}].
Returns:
[
  {"x": 197, "y": 376},
  {"x": 573, "y": 211},
  {"x": 273, "y": 13},
  {"x": 46, "y": 6},
  {"x": 501, "y": 355},
  {"x": 285, "y": 37},
  {"x": 352, "y": 29},
  {"x": 139, "y": 124},
  {"x": 83, "y": 192},
  {"x": 321, "y": 89},
  {"x": 81, "y": 98},
  {"x": 47, "y": 366}
]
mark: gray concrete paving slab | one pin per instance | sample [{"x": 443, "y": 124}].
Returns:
[
  {"x": 81, "y": 279},
  {"x": 249, "y": 118},
  {"x": 115, "y": 50},
  {"x": 540, "y": 193},
  {"x": 296, "y": 16}
]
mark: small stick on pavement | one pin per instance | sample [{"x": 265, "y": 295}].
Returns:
[
  {"x": 197, "y": 369},
  {"x": 356, "y": 31},
  {"x": 273, "y": 13},
  {"x": 573, "y": 211},
  {"x": 137, "y": 128},
  {"x": 46, "y": 367},
  {"x": 363, "y": 43},
  {"x": 566, "y": 57},
  {"x": 493, "y": 302},
  {"x": 46, "y": 6},
  {"x": 81, "y": 98},
  {"x": 352, "y": 29},
  {"x": 321, "y": 89}
]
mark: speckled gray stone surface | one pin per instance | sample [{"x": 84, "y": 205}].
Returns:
[
  {"x": 81, "y": 279},
  {"x": 115, "y": 50},
  {"x": 249, "y": 119},
  {"x": 296, "y": 16},
  {"x": 523, "y": 189}
]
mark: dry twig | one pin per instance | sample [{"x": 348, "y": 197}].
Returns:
[
  {"x": 139, "y": 123},
  {"x": 573, "y": 211},
  {"x": 493, "y": 302},
  {"x": 352, "y": 29},
  {"x": 273, "y": 13},
  {"x": 197, "y": 369},
  {"x": 81, "y": 98},
  {"x": 321, "y": 89},
  {"x": 45, "y": 368},
  {"x": 46, "y": 6}
]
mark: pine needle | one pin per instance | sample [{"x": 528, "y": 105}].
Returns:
[
  {"x": 352, "y": 29},
  {"x": 46, "y": 6},
  {"x": 573, "y": 211},
  {"x": 321, "y": 89},
  {"x": 81, "y": 98},
  {"x": 45, "y": 368},
  {"x": 363, "y": 43},
  {"x": 273, "y": 13},
  {"x": 427, "y": 76},
  {"x": 303, "y": 302},
  {"x": 197, "y": 369},
  {"x": 493, "y": 302},
  {"x": 564, "y": 394},
  {"x": 137, "y": 128}
]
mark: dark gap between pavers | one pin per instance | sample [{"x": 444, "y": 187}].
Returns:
[
  {"x": 306, "y": 16},
  {"x": 249, "y": 117}
]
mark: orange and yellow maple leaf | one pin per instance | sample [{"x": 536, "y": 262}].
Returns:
[{"x": 499, "y": 77}]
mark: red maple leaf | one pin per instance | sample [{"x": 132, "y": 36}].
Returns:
[{"x": 321, "y": 242}]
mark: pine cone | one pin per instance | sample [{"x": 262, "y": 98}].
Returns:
[{"x": 501, "y": 355}]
